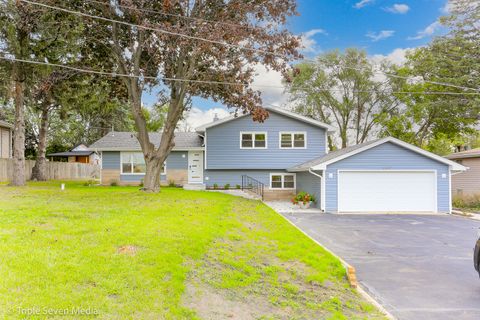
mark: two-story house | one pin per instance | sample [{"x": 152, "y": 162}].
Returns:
[{"x": 286, "y": 154}]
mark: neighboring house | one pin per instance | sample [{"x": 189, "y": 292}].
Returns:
[
  {"x": 288, "y": 153},
  {"x": 466, "y": 183},
  {"x": 6, "y": 136},
  {"x": 80, "y": 154}
]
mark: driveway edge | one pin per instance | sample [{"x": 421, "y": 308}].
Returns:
[{"x": 347, "y": 267}]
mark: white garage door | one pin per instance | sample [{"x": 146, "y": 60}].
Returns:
[{"x": 387, "y": 191}]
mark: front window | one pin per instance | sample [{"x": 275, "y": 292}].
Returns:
[
  {"x": 134, "y": 163},
  {"x": 253, "y": 140},
  {"x": 292, "y": 140},
  {"x": 282, "y": 181}
]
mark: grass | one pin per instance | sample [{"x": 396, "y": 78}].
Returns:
[{"x": 118, "y": 253}]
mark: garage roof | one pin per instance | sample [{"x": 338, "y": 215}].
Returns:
[{"x": 334, "y": 156}]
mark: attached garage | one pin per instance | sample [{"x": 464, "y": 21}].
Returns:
[
  {"x": 385, "y": 176},
  {"x": 387, "y": 191}
]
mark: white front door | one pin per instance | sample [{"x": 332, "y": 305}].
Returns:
[
  {"x": 195, "y": 167},
  {"x": 387, "y": 191}
]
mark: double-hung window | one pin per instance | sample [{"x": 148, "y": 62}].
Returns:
[
  {"x": 293, "y": 140},
  {"x": 253, "y": 140},
  {"x": 282, "y": 181},
  {"x": 134, "y": 163}
]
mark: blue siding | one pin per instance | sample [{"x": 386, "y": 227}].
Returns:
[
  {"x": 234, "y": 177},
  {"x": 309, "y": 183},
  {"x": 384, "y": 157},
  {"x": 223, "y": 144},
  {"x": 111, "y": 160},
  {"x": 176, "y": 160}
]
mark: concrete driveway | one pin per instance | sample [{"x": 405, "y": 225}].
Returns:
[{"x": 416, "y": 266}]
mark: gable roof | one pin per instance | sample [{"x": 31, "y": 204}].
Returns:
[
  {"x": 473, "y": 153},
  {"x": 284, "y": 112},
  {"x": 70, "y": 153},
  {"x": 322, "y": 162},
  {"x": 127, "y": 141},
  {"x": 6, "y": 124}
]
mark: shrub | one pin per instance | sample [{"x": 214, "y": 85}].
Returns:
[
  {"x": 141, "y": 183},
  {"x": 303, "y": 197},
  {"x": 227, "y": 186},
  {"x": 467, "y": 201},
  {"x": 215, "y": 186},
  {"x": 238, "y": 186},
  {"x": 171, "y": 183},
  {"x": 113, "y": 183},
  {"x": 90, "y": 183}
]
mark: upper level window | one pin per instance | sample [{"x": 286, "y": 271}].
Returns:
[
  {"x": 253, "y": 140},
  {"x": 293, "y": 140},
  {"x": 134, "y": 163}
]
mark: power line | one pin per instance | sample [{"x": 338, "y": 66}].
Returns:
[
  {"x": 228, "y": 44},
  {"x": 148, "y": 28},
  {"x": 167, "y": 14},
  {"x": 114, "y": 74}
]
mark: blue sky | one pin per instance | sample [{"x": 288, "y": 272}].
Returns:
[{"x": 383, "y": 28}]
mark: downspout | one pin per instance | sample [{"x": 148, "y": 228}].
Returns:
[{"x": 322, "y": 203}]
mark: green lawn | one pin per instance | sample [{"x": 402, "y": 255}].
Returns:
[{"x": 118, "y": 253}]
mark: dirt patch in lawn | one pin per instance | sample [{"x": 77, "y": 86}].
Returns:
[{"x": 127, "y": 250}]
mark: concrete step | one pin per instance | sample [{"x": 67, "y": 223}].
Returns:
[{"x": 194, "y": 186}]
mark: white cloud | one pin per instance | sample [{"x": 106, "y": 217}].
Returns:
[
  {"x": 382, "y": 35},
  {"x": 269, "y": 83},
  {"x": 308, "y": 43},
  {"x": 196, "y": 117},
  {"x": 397, "y": 56},
  {"x": 447, "y": 8},
  {"x": 398, "y": 8},
  {"x": 428, "y": 31},
  {"x": 363, "y": 3}
]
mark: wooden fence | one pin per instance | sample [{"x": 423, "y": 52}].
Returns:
[{"x": 55, "y": 170}]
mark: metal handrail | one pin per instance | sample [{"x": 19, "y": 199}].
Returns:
[{"x": 249, "y": 183}]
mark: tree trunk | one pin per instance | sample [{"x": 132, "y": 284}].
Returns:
[
  {"x": 39, "y": 171},
  {"x": 151, "y": 181},
  {"x": 19, "y": 176}
]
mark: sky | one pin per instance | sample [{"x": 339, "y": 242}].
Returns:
[{"x": 384, "y": 28}]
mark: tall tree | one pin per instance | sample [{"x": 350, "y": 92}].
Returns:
[
  {"x": 166, "y": 49},
  {"x": 429, "y": 120},
  {"x": 342, "y": 89}
]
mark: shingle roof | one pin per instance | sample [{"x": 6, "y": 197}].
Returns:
[
  {"x": 6, "y": 124},
  {"x": 128, "y": 141},
  {"x": 332, "y": 155},
  {"x": 70, "y": 154},
  {"x": 473, "y": 153}
]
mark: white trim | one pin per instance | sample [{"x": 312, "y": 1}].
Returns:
[
  {"x": 453, "y": 165},
  {"x": 290, "y": 114},
  {"x": 387, "y": 170},
  {"x": 205, "y": 152},
  {"x": 292, "y": 133},
  {"x": 449, "y": 191},
  {"x": 253, "y": 133},
  {"x": 282, "y": 174}
]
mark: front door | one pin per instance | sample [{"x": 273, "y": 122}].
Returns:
[{"x": 195, "y": 167}]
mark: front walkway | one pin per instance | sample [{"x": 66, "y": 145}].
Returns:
[{"x": 416, "y": 266}]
